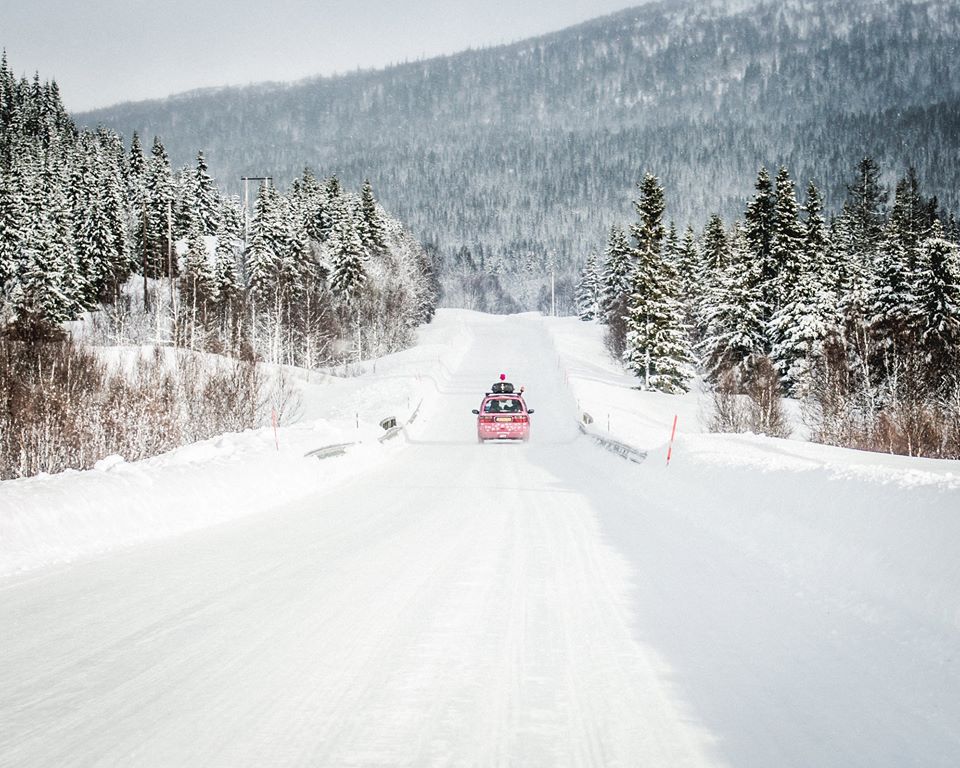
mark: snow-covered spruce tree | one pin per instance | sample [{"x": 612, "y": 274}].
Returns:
[
  {"x": 793, "y": 290},
  {"x": 856, "y": 239},
  {"x": 347, "y": 273},
  {"x": 370, "y": 224},
  {"x": 160, "y": 194},
  {"x": 197, "y": 290},
  {"x": 714, "y": 259},
  {"x": 759, "y": 226},
  {"x": 332, "y": 209},
  {"x": 734, "y": 328},
  {"x": 617, "y": 270},
  {"x": 590, "y": 289},
  {"x": 205, "y": 204},
  {"x": 912, "y": 214},
  {"x": 227, "y": 292},
  {"x": 894, "y": 270},
  {"x": 803, "y": 323},
  {"x": 11, "y": 219},
  {"x": 657, "y": 347},
  {"x": 307, "y": 198},
  {"x": 936, "y": 309},
  {"x": 687, "y": 265},
  {"x": 47, "y": 289},
  {"x": 99, "y": 214},
  {"x": 268, "y": 273}
]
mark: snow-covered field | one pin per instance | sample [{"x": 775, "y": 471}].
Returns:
[{"x": 431, "y": 601}]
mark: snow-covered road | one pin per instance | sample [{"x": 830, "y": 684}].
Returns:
[{"x": 544, "y": 604}]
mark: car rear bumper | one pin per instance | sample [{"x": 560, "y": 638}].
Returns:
[{"x": 503, "y": 432}]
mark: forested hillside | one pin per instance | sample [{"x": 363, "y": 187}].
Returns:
[{"x": 525, "y": 153}]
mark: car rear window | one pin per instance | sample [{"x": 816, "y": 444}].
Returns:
[{"x": 503, "y": 405}]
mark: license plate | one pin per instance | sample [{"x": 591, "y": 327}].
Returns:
[{"x": 502, "y": 419}]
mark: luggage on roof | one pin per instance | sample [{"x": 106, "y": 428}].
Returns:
[{"x": 502, "y": 388}]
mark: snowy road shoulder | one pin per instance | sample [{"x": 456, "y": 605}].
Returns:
[{"x": 59, "y": 518}]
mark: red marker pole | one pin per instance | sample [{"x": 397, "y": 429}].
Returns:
[
  {"x": 673, "y": 433},
  {"x": 273, "y": 418}
]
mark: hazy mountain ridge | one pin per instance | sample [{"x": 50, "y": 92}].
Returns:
[{"x": 536, "y": 146}]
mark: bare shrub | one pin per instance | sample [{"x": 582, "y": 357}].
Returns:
[
  {"x": 46, "y": 394},
  {"x": 833, "y": 409},
  {"x": 762, "y": 388},
  {"x": 728, "y": 412},
  {"x": 285, "y": 398},
  {"x": 950, "y": 409},
  {"x": 910, "y": 422},
  {"x": 61, "y": 408},
  {"x": 748, "y": 399}
]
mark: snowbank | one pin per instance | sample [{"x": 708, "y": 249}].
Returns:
[
  {"x": 56, "y": 518},
  {"x": 888, "y": 525}
]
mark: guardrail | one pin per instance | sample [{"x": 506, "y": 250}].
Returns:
[
  {"x": 623, "y": 450},
  {"x": 389, "y": 425},
  {"x": 329, "y": 451}
]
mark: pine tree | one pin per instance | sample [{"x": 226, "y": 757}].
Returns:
[
  {"x": 616, "y": 271},
  {"x": 657, "y": 348},
  {"x": 332, "y": 210},
  {"x": 616, "y": 279},
  {"x": 859, "y": 239},
  {"x": 264, "y": 256},
  {"x": 733, "y": 315},
  {"x": 714, "y": 251},
  {"x": 687, "y": 260},
  {"x": 11, "y": 218},
  {"x": 589, "y": 289},
  {"x": 787, "y": 239},
  {"x": 803, "y": 324},
  {"x": 936, "y": 307},
  {"x": 347, "y": 274},
  {"x": 206, "y": 202},
  {"x": 759, "y": 226},
  {"x": 648, "y": 232},
  {"x": 794, "y": 291},
  {"x": 45, "y": 290},
  {"x": 371, "y": 226},
  {"x": 896, "y": 263},
  {"x": 159, "y": 199},
  {"x": 197, "y": 289}
]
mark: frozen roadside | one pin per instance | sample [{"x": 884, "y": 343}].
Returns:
[
  {"x": 886, "y": 526},
  {"x": 58, "y": 518}
]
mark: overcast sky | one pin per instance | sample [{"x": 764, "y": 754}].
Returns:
[{"x": 105, "y": 51}]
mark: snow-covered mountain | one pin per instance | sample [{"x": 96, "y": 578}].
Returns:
[{"x": 536, "y": 146}]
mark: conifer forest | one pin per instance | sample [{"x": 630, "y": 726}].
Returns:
[
  {"x": 112, "y": 242},
  {"x": 856, "y": 314}
]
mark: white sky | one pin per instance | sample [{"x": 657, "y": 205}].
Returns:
[{"x": 105, "y": 51}]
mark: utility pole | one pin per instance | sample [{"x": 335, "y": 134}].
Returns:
[
  {"x": 246, "y": 240},
  {"x": 146, "y": 294},
  {"x": 170, "y": 247},
  {"x": 553, "y": 291},
  {"x": 359, "y": 339},
  {"x": 553, "y": 281},
  {"x": 646, "y": 373}
]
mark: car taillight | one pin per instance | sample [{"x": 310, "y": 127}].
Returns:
[{"x": 522, "y": 419}]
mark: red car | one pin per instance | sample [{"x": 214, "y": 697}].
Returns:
[{"x": 503, "y": 417}]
